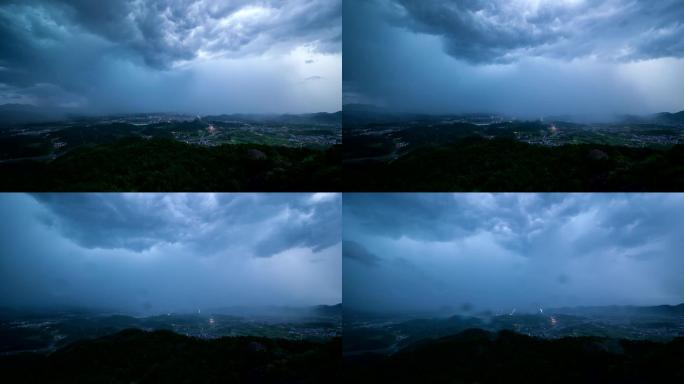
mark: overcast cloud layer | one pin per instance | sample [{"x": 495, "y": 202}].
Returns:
[
  {"x": 405, "y": 252},
  {"x": 522, "y": 57},
  {"x": 197, "y": 56},
  {"x": 175, "y": 252}
]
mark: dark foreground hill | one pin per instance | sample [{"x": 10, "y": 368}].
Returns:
[
  {"x": 165, "y": 357},
  {"x": 477, "y": 356},
  {"x": 478, "y": 164},
  {"x": 136, "y": 164}
]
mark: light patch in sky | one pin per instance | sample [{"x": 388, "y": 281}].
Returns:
[
  {"x": 192, "y": 56},
  {"x": 524, "y": 59},
  {"x": 156, "y": 253},
  {"x": 495, "y": 252}
]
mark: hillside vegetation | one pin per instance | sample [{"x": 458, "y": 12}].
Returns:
[
  {"x": 477, "y": 356},
  {"x": 478, "y": 164},
  {"x": 165, "y": 357},
  {"x": 136, "y": 164}
]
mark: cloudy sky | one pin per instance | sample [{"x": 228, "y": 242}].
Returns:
[
  {"x": 195, "y": 56},
  {"x": 157, "y": 253},
  {"x": 498, "y": 252},
  {"x": 517, "y": 57}
]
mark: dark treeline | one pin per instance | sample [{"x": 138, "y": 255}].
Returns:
[
  {"x": 165, "y": 357},
  {"x": 135, "y": 164},
  {"x": 478, "y": 164},
  {"x": 477, "y": 356}
]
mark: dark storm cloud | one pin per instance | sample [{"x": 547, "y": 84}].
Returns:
[
  {"x": 211, "y": 223},
  {"x": 519, "y": 58},
  {"x": 355, "y": 251},
  {"x": 440, "y": 217},
  {"x": 162, "y": 32},
  {"x": 445, "y": 217},
  {"x": 313, "y": 225},
  {"x": 483, "y": 31},
  {"x": 121, "y": 55},
  {"x": 511, "y": 250},
  {"x": 110, "y": 222},
  {"x": 155, "y": 253}
]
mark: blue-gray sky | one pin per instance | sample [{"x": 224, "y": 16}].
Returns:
[
  {"x": 519, "y": 57},
  {"x": 405, "y": 252},
  {"x": 194, "y": 56},
  {"x": 174, "y": 252}
]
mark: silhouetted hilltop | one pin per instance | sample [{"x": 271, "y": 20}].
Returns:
[
  {"x": 477, "y": 164},
  {"x": 165, "y": 357},
  {"x": 136, "y": 164},
  {"x": 666, "y": 118},
  {"x": 670, "y": 118},
  {"x": 475, "y": 355}
]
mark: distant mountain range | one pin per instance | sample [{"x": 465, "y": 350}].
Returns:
[
  {"x": 276, "y": 310},
  {"x": 281, "y": 311},
  {"x": 306, "y": 118},
  {"x": 622, "y": 310},
  {"x": 677, "y": 118},
  {"x": 665, "y": 118},
  {"x": 25, "y": 113},
  {"x": 372, "y": 112}
]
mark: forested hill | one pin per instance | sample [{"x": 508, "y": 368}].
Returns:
[
  {"x": 477, "y": 356},
  {"x": 478, "y": 164},
  {"x": 136, "y": 164},
  {"x": 165, "y": 357}
]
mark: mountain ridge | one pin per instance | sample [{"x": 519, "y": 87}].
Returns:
[{"x": 135, "y": 355}]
